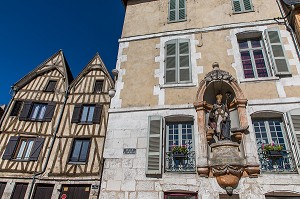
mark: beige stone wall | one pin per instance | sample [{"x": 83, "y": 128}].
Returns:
[{"x": 153, "y": 15}]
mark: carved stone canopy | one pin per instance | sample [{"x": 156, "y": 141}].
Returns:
[{"x": 218, "y": 75}]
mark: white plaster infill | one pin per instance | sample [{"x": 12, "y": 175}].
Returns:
[
  {"x": 274, "y": 101},
  {"x": 116, "y": 101},
  {"x": 199, "y": 30},
  {"x": 152, "y": 108}
]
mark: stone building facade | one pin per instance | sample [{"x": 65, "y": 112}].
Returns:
[
  {"x": 169, "y": 97},
  {"x": 53, "y": 131}
]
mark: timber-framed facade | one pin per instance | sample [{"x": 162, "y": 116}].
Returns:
[{"x": 53, "y": 132}]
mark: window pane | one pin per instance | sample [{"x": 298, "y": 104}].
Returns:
[
  {"x": 243, "y": 44},
  {"x": 28, "y": 150},
  {"x": 84, "y": 113},
  {"x": 184, "y": 61},
  {"x": 184, "y": 48},
  {"x": 171, "y": 49},
  {"x": 91, "y": 114},
  {"x": 42, "y": 111},
  {"x": 170, "y": 76},
  {"x": 184, "y": 75},
  {"x": 256, "y": 43},
  {"x": 277, "y": 51},
  {"x": 274, "y": 37},
  {"x": 170, "y": 62},
  {"x": 21, "y": 149},
  {"x": 84, "y": 151},
  {"x": 76, "y": 150}
]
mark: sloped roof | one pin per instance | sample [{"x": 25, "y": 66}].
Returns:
[
  {"x": 291, "y": 2},
  {"x": 96, "y": 62},
  {"x": 56, "y": 61}
]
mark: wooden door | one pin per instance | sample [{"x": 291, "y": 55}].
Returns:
[
  {"x": 75, "y": 192},
  {"x": 43, "y": 191},
  {"x": 2, "y": 187},
  {"x": 19, "y": 191}
]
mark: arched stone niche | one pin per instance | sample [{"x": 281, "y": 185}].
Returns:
[{"x": 222, "y": 158}]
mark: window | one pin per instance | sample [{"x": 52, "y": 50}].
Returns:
[
  {"x": 177, "y": 10},
  {"x": 51, "y": 86},
  {"x": 98, "y": 86},
  {"x": 262, "y": 54},
  {"x": 23, "y": 148},
  {"x": 87, "y": 113},
  {"x": 37, "y": 111},
  {"x": 180, "y": 196},
  {"x": 240, "y": 6},
  {"x": 178, "y": 134},
  {"x": 272, "y": 131},
  {"x": 177, "y": 63},
  {"x": 253, "y": 58},
  {"x": 16, "y": 108},
  {"x": 19, "y": 191},
  {"x": 80, "y": 150}
]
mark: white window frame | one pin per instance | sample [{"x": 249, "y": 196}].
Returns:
[
  {"x": 38, "y": 111},
  {"x": 24, "y": 149}
]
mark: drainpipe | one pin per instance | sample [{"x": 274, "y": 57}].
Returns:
[
  {"x": 289, "y": 26},
  {"x": 51, "y": 146}
]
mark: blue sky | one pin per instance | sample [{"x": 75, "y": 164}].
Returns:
[{"x": 31, "y": 31}]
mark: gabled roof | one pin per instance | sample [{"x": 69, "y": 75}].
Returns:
[
  {"x": 56, "y": 61},
  {"x": 292, "y": 2},
  {"x": 95, "y": 63}
]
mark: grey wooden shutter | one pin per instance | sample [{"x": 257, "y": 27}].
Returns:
[
  {"x": 172, "y": 10},
  {"x": 154, "y": 148},
  {"x": 171, "y": 62},
  {"x": 276, "y": 52},
  {"x": 10, "y": 148},
  {"x": 184, "y": 61},
  {"x": 76, "y": 113},
  {"x": 237, "y": 7},
  {"x": 248, "y": 5},
  {"x": 295, "y": 116},
  {"x": 97, "y": 114},
  {"x": 49, "y": 112},
  {"x": 37, "y": 147},
  {"x": 25, "y": 111},
  {"x": 181, "y": 10}
]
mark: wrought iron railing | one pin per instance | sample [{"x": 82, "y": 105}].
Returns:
[
  {"x": 180, "y": 162},
  {"x": 276, "y": 162}
]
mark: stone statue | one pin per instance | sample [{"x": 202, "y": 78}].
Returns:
[{"x": 219, "y": 117}]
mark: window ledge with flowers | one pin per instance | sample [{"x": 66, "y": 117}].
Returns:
[
  {"x": 180, "y": 159},
  {"x": 275, "y": 158}
]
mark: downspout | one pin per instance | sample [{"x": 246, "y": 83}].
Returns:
[
  {"x": 289, "y": 27},
  {"x": 51, "y": 146}
]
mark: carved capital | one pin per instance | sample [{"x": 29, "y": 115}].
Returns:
[
  {"x": 253, "y": 171},
  {"x": 203, "y": 171}
]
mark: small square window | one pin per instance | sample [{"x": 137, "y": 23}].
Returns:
[
  {"x": 24, "y": 148},
  {"x": 51, "y": 86},
  {"x": 98, "y": 86},
  {"x": 38, "y": 111},
  {"x": 16, "y": 109},
  {"x": 80, "y": 150}
]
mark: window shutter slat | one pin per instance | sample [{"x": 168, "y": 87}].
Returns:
[
  {"x": 25, "y": 111},
  {"x": 181, "y": 10},
  {"x": 37, "y": 147},
  {"x": 154, "y": 149},
  {"x": 172, "y": 10},
  {"x": 10, "y": 148},
  {"x": 276, "y": 52},
  {"x": 237, "y": 6},
  {"x": 97, "y": 114},
  {"x": 49, "y": 112},
  {"x": 247, "y": 5},
  {"x": 76, "y": 114}
]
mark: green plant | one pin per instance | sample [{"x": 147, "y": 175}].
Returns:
[
  {"x": 180, "y": 149},
  {"x": 272, "y": 147}
]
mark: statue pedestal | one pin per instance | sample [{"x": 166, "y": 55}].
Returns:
[{"x": 227, "y": 164}]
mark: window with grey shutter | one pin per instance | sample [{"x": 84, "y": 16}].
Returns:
[
  {"x": 37, "y": 147},
  {"x": 25, "y": 111},
  {"x": 51, "y": 86},
  {"x": 240, "y": 6},
  {"x": 177, "y": 62},
  {"x": 177, "y": 10},
  {"x": 76, "y": 113},
  {"x": 49, "y": 112},
  {"x": 97, "y": 114},
  {"x": 154, "y": 148},
  {"x": 295, "y": 124},
  {"x": 10, "y": 148},
  {"x": 276, "y": 52},
  {"x": 16, "y": 108}
]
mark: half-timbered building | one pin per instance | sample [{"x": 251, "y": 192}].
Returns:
[{"x": 53, "y": 131}]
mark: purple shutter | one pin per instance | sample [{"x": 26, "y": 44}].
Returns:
[
  {"x": 10, "y": 148},
  {"x": 25, "y": 111},
  {"x": 76, "y": 113},
  {"x": 49, "y": 112},
  {"x": 97, "y": 114},
  {"x": 37, "y": 147}
]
